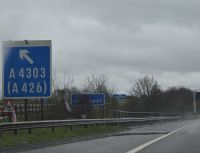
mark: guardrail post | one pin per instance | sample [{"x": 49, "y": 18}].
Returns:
[{"x": 71, "y": 127}]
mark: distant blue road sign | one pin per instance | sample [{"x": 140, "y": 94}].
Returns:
[
  {"x": 120, "y": 98},
  {"x": 26, "y": 69},
  {"x": 91, "y": 98}
]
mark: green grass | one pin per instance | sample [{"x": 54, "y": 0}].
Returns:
[{"x": 8, "y": 139}]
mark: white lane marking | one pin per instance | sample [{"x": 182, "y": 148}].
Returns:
[{"x": 155, "y": 140}]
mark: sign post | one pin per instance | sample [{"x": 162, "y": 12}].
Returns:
[
  {"x": 42, "y": 109},
  {"x": 27, "y": 67},
  {"x": 89, "y": 99},
  {"x": 25, "y": 110}
]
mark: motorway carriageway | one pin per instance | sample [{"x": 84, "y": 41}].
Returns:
[{"x": 181, "y": 136}]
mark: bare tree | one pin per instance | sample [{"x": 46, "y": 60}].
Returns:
[
  {"x": 98, "y": 83},
  {"x": 62, "y": 85},
  {"x": 146, "y": 89},
  {"x": 63, "y": 82},
  {"x": 145, "y": 86}
]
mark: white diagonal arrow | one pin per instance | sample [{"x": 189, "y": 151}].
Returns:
[{"x": 23, "y": 54}]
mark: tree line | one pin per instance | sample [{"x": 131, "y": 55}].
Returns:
[
  {"x": 145, "y": 94},
  {"x": 149, "y": 96}
]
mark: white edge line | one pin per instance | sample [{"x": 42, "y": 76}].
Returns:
[{"x": 155, "y": 140}]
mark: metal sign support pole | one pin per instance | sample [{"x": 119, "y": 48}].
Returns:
[
  {"x": 25, "y": 110},
  {"x": 100, "y": 112},
  {"x": 42, "y": 107},
  {"x": 10, "y": 115},
  {"x": 103, "y": 111}
]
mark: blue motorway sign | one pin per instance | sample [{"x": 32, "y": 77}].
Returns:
[
  {"x": 120, "y": 98},
  {"x": 26, "y": 69},
  {"x": 88, "y": 98}
]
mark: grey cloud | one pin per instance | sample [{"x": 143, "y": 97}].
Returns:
[{"x": 123, "y": 39}]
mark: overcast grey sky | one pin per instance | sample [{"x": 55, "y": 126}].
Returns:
[{"x": 124, "y": 39}]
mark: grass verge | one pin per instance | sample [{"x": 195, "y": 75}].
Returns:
[{"x": 8, "y": 139}]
